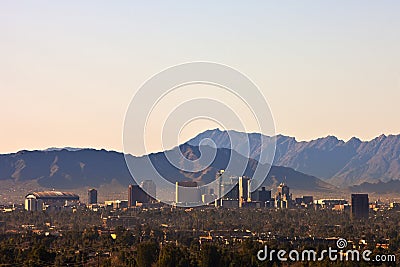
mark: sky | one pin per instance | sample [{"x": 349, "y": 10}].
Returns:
[{"x": 68, "y": 70}]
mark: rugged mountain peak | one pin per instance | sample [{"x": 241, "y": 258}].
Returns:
[
  {"x": 344, "y": 163},
  {"x": 354, "y": 140}
]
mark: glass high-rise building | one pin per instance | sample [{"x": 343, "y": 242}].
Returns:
[
  {"x": 149, "y": 187},
  {"x": 136, "y": 195},
  {"x": 92, "y": 196},
  {"x": 359, "y": 206}
]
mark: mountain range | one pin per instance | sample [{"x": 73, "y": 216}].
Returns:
[
  {"x": 308, "y": 166},
  {"x": 65, "y": 169},
  {"x": 392, "y": 186},
  {"x": 335, "y": 161}
]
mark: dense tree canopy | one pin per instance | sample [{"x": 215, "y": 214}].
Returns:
[{"x": 178, "y": 237}]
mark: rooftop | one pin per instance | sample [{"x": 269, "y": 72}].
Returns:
[{"x": 54, "y": 194}]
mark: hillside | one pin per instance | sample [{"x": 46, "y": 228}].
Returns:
[
  {"x": 65, "y": 169},
  {"x": 338, "y": 162}
]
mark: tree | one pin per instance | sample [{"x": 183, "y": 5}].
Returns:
[
  {"x": 209, "y": 256},
  {"x": 147, "y": 253},
  {"x": 173, "y": 256}
]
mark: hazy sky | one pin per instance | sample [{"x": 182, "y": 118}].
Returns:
[{"x": 69, "y": 69}]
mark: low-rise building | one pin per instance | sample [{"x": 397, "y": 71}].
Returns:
[{"x": 49, "y": 199}]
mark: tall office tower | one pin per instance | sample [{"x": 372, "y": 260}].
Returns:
[
  {"x": 187, "y": 192},
  {"x": 92, "y": 196},
  {"x": 283, "y": 190},
  {"x": 359, "y": 206},
  {"x": 219, "y": 179},
  {"x": 283, "y": 198},
  {"x": 136, "y": 194},
  {"x": 234, "y": 191},
  {"x": 231, "y": 192},
  {"x": 244, "y": 190},
  {"x": 150, "y": 187}
]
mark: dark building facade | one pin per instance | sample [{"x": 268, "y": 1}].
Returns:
[
  {"x": 92, "y": 196},
  {"x": 233, "y": 194},
  {"x": 359, "y": 206},
  {"x": 235, "y": 191},
  {"x": 283, "y": 198},
  {"x": 262, "y": 195},
  {"x": 136, "y": 194},
  {"x": 308, "y": 199}
]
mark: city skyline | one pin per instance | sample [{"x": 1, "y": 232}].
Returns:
[
  {"x": 325, "y": 69},
  {"x": 187, "y": 133}
]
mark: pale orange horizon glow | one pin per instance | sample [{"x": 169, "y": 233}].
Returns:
[{"x": 68, "y": 71}]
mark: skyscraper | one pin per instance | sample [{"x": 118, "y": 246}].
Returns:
[
  {"x": 283, "y": 198},
  {"x": 244, "y": 190},
  {"x": 149, "y": 187},
  {"x": 235, "y": 191},
  {"x": 229, "y": 188},
  {"x": 359, "y": 206},
  {"x": 136, "y": 194},
  {"x": 219, "y": 179},
  {"x": 92, "y": 196},
  {"x": 283, "y": 190}
]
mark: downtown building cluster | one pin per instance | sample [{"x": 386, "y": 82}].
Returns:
[{"x": 228, "y": 192}]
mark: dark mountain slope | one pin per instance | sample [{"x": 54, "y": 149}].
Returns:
[{"x": 88, "y": 167}]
